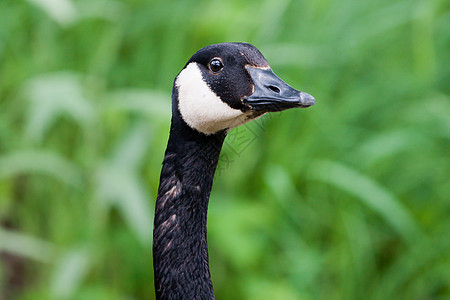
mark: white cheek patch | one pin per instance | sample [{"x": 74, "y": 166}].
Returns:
[{"x": 201, "y": 108}]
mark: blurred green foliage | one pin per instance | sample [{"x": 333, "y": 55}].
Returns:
[{"x": 344, "y": 200}]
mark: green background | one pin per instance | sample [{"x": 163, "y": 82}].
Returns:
[{"x": 347, "y": 199}]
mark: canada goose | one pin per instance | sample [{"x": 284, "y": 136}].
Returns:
[{"x": 221, "y": 86}]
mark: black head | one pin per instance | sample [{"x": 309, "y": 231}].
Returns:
[
  {"x": 223, "y": 69},
  {"x": 225, "y": 85}
]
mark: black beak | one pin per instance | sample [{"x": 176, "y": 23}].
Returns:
[{"x": 273, "y": 94}]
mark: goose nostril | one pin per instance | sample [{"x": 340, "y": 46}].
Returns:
[{"x": 273, "y": 88}]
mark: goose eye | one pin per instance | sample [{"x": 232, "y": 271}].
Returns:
[{"x": 215, "y": 65}]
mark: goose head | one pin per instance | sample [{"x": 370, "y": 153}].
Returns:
[{"x": 226, "y": 85}]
